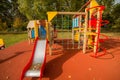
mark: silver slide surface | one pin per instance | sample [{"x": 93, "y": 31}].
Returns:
[{"x": 39, "y": 56}]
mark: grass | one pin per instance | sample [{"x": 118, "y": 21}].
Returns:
[
  {"x": 10, "y": 39},
  {"x": 113, "y": 34},
  {"x": 68, "y": 35},
  {"x": 64, "y": 35}
]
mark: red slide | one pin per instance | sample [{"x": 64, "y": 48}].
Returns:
[{"x": 36, "y": 64}]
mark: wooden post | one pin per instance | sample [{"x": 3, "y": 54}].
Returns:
[
  {"x": 85, "y": 32},
  {"x": 73, "y": 38},
  {"x": 46, "y": 22},
  {"x": 80, "y": 24},
  {"x": 68, "y": 41},
  {"x": 50, "y": 39},
  {"x": 73, "y": 35}
]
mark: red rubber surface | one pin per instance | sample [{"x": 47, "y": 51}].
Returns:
[{"x": 64, "y": 64}]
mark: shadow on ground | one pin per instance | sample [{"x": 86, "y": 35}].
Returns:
[
  {"x": 54, "y": 67},
  {"x": 111, "y": 44},
  {"x": 113, "y": 48},
  {"x": 15, "y": 55}
]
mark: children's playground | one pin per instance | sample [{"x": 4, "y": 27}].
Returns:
[{"x": 66, "y": 46}]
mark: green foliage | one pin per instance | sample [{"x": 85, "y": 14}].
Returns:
[
  {"x": 32, "y": 9},
  {"x": 116, "y": 16},
  {"x": 108, "y": 6},
  {"x": 5, "y": 10},
  {"x": 117, "y": 24},
  {"x": 107, "y": 3},
  {"x": 5, "y": 15},
  {"x": 64, "y": 5},
  {"x": 3, "y": 25},
  {"x": 17, "y": 22},
  {"x": 8, "y": 11},
  {"x": 111, "y": 13},
  {"x": 116, "y": 11},
  {"x": 77, "y": 4}
]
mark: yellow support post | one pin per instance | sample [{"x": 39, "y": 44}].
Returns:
[
  {"x": 36, "y": 28},
  {"x": 46, "y": 23}
]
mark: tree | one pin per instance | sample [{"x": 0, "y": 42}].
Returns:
[
  {"x": 15, "y": 11},
  {"x": 5, "y": 14},
  {"x": 116, "y": 15},
  {"x": 116, "y": 11},
  {"x": 63, "y": 5},
  {"x": 107, "y": 12},
  {"x": 17, "y": 23},
  {"x": 8, "y": 11},
  {"x": 3, "y": 25},
  {"x": 32, "y": 9},
  {"x": 108, "y": 6}
]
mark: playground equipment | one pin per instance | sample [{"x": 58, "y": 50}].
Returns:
[
  {"x": 86, "y": 27},
  {"x": 36, "y": 64},
  {"x": 85, "y": 33},
  {"x": 2, "y": 45}
]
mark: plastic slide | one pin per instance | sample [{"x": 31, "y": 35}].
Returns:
[{"x": 35, "y": 66}]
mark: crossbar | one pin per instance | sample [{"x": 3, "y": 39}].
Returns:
[{"x": 71, "y": 13}]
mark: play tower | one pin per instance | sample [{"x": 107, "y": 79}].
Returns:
[{"x": 86, "y": 27}]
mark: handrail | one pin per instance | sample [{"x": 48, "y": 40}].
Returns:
[{"x": 101, "y": 7}]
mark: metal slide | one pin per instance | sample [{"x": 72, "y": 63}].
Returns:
[{"x": 36, "y": 64}]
